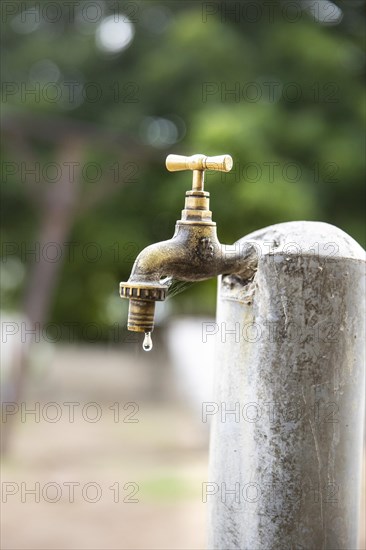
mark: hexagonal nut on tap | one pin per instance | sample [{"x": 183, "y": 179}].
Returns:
[{"x": 137, "y": 291}]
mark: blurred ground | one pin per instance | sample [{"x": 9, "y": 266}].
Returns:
[
  {"x": 163, "y": 458},
  {"x": 132, "y": 435}
]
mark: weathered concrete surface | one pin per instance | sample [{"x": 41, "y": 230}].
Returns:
[{"x": 293, "y": 373}]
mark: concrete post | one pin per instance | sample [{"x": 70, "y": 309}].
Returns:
[{"x": 287, "y": 421}]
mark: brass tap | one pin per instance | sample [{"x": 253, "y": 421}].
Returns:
[{"x": 194, "y": 253}]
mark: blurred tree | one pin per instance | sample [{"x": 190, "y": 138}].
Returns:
[{"x": 96, "y": 94}]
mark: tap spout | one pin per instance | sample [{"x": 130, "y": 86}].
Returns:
[{"x": 194, "y": 253}]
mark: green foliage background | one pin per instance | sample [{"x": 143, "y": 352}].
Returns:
[{"x": 315, "y": 120}]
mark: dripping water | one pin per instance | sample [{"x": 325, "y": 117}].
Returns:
[{"x": 147, "y": 343}]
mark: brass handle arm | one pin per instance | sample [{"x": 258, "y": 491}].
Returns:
[{"x": 222, "y": 163}]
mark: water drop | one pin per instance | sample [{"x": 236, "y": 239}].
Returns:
[{"x": 147, "y": 344}]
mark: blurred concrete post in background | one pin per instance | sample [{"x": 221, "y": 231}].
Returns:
[{"x": 287, "y": 433}]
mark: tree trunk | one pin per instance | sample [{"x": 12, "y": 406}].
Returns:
[{"x": 57, "y": 218}]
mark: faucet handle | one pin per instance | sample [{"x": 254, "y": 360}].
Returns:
[{"x": 222, "y": 163}]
